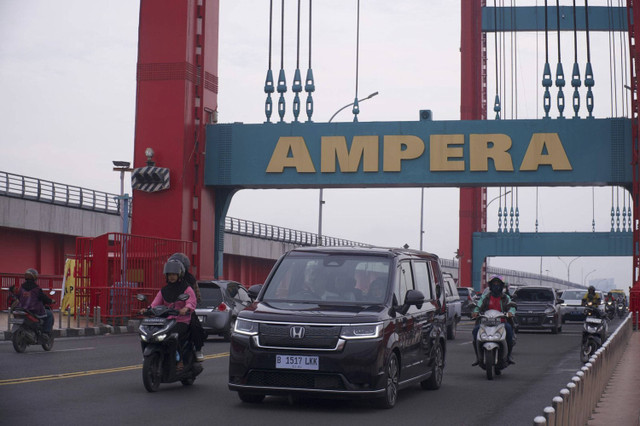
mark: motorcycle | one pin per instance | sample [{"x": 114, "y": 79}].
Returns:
[
  {"x": 160, "y": 349},
  {"x": 621, "y": 309},
  {"x": 594, "y": 332},
  {"x": 610, "y": 309},
  {"x": 491, "y": 343},
  {"x": 28, "y": 330}
]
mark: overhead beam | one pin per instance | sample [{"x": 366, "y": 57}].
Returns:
[{"x": 531, "y": 18}]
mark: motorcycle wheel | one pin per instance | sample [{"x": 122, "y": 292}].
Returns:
[
  {"x": 489, "y": 358},
  {"x": 587, "y": 350},
  {"x": 152, "y": 372},
  {"x": 49, "y": 343},
  {"x": 19, "y": 341},
  {"x": 188, "y": 382}
]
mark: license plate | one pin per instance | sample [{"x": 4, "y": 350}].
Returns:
[
  {"x": 16, "y": 320},
  {"x": 575, "y": 313},
  {"x": 297, "y": 362}
]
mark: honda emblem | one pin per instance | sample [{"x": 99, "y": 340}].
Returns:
[{"x": 296, "y": 332}]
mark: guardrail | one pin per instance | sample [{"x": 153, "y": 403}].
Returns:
[
  {"x": 44, "y": 191},
  {"x": 576, "y": 401}
]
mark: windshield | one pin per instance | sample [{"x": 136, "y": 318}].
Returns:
[
  {"x": 534, "y": 295},
  {"x": 573, "y": 294},
  {"x": 321, "y": 277}
]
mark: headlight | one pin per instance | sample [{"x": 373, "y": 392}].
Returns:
[
  {"x": 361, "y": 331},
  {"x": 161, "y": 337},
  {"x": 246, "y": 327}
]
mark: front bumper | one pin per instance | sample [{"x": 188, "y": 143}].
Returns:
[
  {"x": 535, "y": 320},
  {"x": 214, "y": 322},
  {"x": 355, "y": 370}
]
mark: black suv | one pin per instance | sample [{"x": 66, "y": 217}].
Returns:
[
  {"x": 538, "y": 308},
  {"x": 342, "y": 321}
]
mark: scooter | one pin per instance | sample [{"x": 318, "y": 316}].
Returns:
[
  {"x": 610, "y": 309},
  {"x": 621, "y": 309},
  {"x": 594, "y": 332},
  {"x": 491, "y": 344},
  {"x": 28, "y": 330},
  {"x": 161, "y": 349}
]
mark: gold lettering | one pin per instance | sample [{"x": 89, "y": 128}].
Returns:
[
  {"x": 299, "y": 158},
  {"x": 398, "y": 148},
  {"x": 556, "y": 157},
  {"x": 494, "y": 146},
  {"x": 363, "y": 148},
  {"x": 441, "y": 152}
]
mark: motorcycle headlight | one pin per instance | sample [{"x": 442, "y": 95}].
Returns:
[
  {"x": 361, "y": 331},
  {"x": 246, "y": 327},
  {"x": 161, "y": 337}
]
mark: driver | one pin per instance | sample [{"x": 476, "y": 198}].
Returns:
[{"x": 498, "y": 300}]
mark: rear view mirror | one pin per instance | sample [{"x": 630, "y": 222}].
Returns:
[
  {"x": 141, "y": 297},
  {"x": 254, "y": 291}
]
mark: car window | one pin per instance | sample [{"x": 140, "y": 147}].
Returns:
[
  {"x": 573, "y": 294},
  {"x": 243, "y": 296},
  {"x": 422, "y": 279},
  {"x": 210, "y": 296},
  {"x": 534, "y": 295},
  {"x": 404, "y": 281},
  {"x": 436, "y": 279}
]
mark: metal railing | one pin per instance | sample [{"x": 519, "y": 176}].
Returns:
[
  {"x": 44, "y": 191},
  {"x": 578, "y": 399}
]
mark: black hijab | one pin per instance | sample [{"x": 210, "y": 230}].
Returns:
[{"x": 170, "y": 292}]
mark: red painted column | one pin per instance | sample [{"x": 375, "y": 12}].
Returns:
[
  {"x": 472, "y": 107},
  {"x": 177, "y": 88}
]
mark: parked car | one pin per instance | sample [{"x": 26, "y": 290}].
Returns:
[
  {"x": 221, "y": 302},
  {"x": 342, "y": 321},
  {"x": 538, "y": 308},
  {"x": 454, "y": 305},
  {"x": 468, "y": 302}
]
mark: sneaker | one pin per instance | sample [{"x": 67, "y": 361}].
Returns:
[{"x": 199, "y": 356}]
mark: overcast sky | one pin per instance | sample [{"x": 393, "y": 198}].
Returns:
[{"x": 67, "y": 109}]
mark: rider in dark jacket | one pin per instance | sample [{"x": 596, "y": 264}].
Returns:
[{"x": 32, "y": 298}]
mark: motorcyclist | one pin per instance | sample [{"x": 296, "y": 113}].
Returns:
[
  {"x": 498, "y": 300},
  {"x": 198, "y": 334},
  {"x": 31, "y": 297},
  {"x": 168, "y": 296},
  {"x": 591, "y": 297}
]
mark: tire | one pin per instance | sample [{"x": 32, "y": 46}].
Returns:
[
  {"x": 489, "y": 362},
  {"x": 392, "y": 373},
  {"x": 554, "y": 329},
  {"x": 437, "y": 372},
  {"x": 19, "y": 341},
  {"x": 587, "y": 350},
  {"x": 187, "y": 382},
  {"x": 152, "y": 372},
  {"x": 49, "y": 344},
  {"x": 452, "y": 330},
  {"x": 251, "y": 398}
]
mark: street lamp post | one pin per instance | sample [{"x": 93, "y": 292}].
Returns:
[
  {"x": 584, "y": 280},
  {"x": 122, "y": 167},
  {"x": 321, "y": 200},
  {"x": 569, "y": 267}
]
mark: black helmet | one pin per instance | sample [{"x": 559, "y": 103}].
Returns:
[
  {"x": 182, "y": 258},
  {"x": 591, "y": 290},
  {"x": 173, "y": 266},
  {"x": 496, "y": 285},
  {"x": 31, "y": 274}
]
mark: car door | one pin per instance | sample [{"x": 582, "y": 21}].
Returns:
[
  {"x": 406, "y": 328},
  {"x": 424, "y": 315}
]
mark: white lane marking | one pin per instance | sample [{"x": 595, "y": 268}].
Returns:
[{"x": 63, "y": 350}]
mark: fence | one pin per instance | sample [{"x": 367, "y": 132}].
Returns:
[
  {"x": 47, "y": 283},
  {"x": 112, "y": 268},
  {"x": 578, "y": 399}
]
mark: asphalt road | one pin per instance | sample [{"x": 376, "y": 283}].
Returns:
[{"x": 97, "y": 381}]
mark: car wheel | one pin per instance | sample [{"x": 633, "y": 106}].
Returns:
[
  {"x": 437, "y": 372},
  {"x": 452, "y": 330},
  {"x": 251, "y": 398},
  {"x": 392, "y": 371},
  {"x": 227, "y": 334}
]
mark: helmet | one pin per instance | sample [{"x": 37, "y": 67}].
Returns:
[
  {"x": 497, "y": 278},
  {"x": 182, "y": 258},
  {"x": 496, "y": 285},
  {"x": 31, "y": 274},
  {"x": 173, "y": 267},
  {"x": 591, "y": 290}
]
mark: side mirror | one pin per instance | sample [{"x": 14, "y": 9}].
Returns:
[
  {"x": 559, "y": 301},
  {"x": 413, "y": 297},
  {"x": 52, "y": 292},
  {"x": 141, "y": 297},
  {"x": 254, "y": 291},
  {"x": 438, "y": 291}
]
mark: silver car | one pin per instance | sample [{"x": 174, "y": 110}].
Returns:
[{"x": 220, "y": 304}]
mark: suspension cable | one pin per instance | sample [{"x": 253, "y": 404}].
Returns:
[
  {"x": 612, "y": 66},
  {"x": 282, "y": 81},
  {"x": 589, "y": 82},
  {"x": 559, "y": 72},
  {"x": 546, "y": 74},
  {"x": 356, "y": 106},
  {"x": 575, "y": 75},
  {"x": 309, "y": 86},
  {"x": 496, "y": 103},
  {"x": 268, "y": 83},
  {"x": 296, "y": 87}
]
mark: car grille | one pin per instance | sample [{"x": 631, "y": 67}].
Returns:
[
  {"x": 296, "y": 380},
  {"x": 315, "y": 336}
]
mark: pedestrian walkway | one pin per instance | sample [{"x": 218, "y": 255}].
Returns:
[
  {"x": 620, "y": 402},
  {"x": 71, "y": 327}
]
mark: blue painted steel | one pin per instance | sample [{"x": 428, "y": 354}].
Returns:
[
  {"x": 598, "y": 151},
  {"x": 486, "y": 244},
  {"x": 531, "y": 18}
]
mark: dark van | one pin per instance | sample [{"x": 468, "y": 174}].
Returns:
[{"x": 342, "y": 321}]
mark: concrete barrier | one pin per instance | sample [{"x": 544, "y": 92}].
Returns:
[{"x": 576, "y": 402}]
